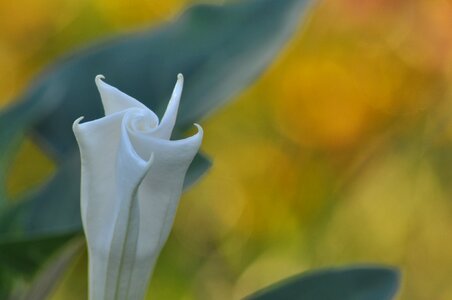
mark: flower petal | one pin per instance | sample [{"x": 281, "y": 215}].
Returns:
[
  {"x": 131, "y": 170},
  {"x": 98, "y": 185},
  {"x": 114, "y": 100},
  {"x": 168, "y": 121},
  {"x": 158, "y": 197},
  {"x": 110, "y": 181}
]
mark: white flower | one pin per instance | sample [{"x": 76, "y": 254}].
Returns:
[{"x": 132, "y": 177}]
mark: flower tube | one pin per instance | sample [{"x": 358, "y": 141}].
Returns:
[{"x": 131, "y": 182}]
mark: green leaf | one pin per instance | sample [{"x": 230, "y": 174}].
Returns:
[
  {"x": 354, "y": 283},
  {"x": 197, "y": 169},
  {"x": 15, "y": 121},
  {"x": 219, "y": 49},
  {"x": 23, "y": 257}
]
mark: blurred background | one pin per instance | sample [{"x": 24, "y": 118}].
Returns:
[{"x": 340, "y": 153}]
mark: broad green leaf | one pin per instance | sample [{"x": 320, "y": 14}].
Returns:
[
  {"x": 219, "y": 49},
  {"x": 198, "y": 167},
  {"x": 51, "y": 211},
  {"x": 24, "y": 257},
  {"x": 15, "y": 121},
  {"x": 354, "y": 283}
]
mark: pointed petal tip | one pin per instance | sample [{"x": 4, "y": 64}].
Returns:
[
  {"x": 200, "y": 130},
  {"x": 177, "y": 91},
  {"x": 76, "y": 127},
  {"x": 179, "y": 84},
  {"x": 197, "y": 137},
  {"x": 99, "y": 78},
  {"x": 76, "y": 123}
]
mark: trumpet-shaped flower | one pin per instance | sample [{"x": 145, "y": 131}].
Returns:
[{"x": 132, "y": 177}]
